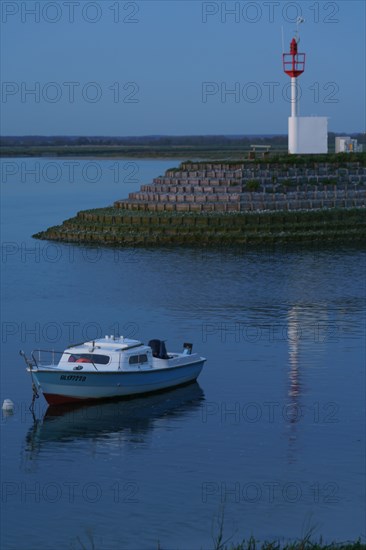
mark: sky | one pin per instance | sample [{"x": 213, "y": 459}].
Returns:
[{"x": 129, "y": 68}]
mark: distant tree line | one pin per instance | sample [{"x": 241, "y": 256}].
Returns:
[
  {"x": 156, "y": 141},
  {"x": 11, "y": 141}
]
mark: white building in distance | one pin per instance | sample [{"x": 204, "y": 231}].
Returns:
[{"x": 345, "y": 144}]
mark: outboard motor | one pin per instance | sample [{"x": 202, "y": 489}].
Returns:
[{"x": 187, "y": 348}]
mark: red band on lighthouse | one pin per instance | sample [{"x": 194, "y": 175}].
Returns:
[{"x": 293, "y": 62}]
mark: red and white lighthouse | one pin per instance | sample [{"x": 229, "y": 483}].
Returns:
[
  {"x": 294, "y": 66},
  {"x": 305, "y": 134}
]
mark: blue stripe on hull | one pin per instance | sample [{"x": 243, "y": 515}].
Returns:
[{"x": 102, "y": 385}]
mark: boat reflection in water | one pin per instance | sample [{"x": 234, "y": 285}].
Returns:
[{"x": 123, "y": 420}]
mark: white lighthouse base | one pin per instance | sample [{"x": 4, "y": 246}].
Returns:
[{"x": 307, "y": 135}]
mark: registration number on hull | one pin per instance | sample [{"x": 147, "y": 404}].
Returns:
[{"x": 73, "y": 377}]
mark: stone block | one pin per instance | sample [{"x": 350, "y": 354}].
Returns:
[
  {"x": 195, "y": 207},
  {"x": 182, "y": 207}
]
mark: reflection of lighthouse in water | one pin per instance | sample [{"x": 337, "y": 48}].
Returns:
[
  {"x": 294, "y": 336},
  {"x": 294, "y": 386},
  {"x": 305, "y": 351}
]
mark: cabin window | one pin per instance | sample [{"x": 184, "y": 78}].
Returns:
[
  {"x": 138, "y": 359},
  {"x": 95, "y": 358}
]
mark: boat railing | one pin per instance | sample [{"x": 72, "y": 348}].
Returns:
[{"x": 43, "y": 357}]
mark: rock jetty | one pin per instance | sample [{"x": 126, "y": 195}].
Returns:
[{"x": 231, "y": 203}]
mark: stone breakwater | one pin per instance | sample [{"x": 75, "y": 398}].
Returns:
[
  {"x": 222, "y": 204},
  {"x": 205, "y": 187}
]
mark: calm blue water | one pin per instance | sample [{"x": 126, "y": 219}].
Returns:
[{"x": 273, "y": 433}]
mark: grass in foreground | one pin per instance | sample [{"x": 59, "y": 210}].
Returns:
[
  {"x": 219, "y": 543},
  {"x": 252, "y": 544},
  {"x": 306, "y": 543}
]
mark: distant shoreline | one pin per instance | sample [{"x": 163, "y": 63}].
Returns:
[
  {"x": 205, "y": 147},
  {"x": 197, "y": 153},
  {"x": 115, "y": 152}
]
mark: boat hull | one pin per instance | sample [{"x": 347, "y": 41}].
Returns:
[{"x": 60, "y": 387}]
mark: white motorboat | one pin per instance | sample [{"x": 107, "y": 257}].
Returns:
[{"x": 110, "y": 367}]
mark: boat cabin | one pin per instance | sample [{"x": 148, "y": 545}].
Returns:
[{"x": 109, "y": 353}]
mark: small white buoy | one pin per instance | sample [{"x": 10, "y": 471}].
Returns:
[{"x": 8, "y": 405}]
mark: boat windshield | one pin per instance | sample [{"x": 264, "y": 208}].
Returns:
[{"x": 89, "y": 358}]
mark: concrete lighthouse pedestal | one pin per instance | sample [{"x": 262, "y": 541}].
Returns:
[{"x": 307, "y": 135}]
